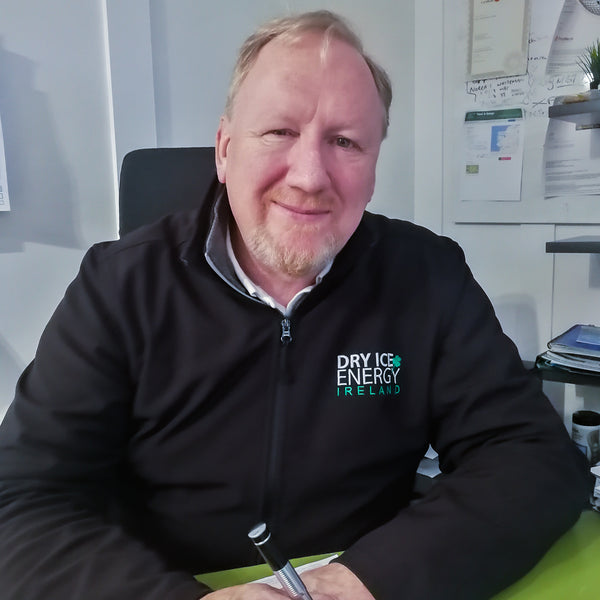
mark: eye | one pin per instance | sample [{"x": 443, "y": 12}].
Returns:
[
  {"x": 280, "y": 132},
  {"x": 344, "y": 142}
]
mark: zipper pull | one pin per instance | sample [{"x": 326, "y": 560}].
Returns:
[{"x": 286, "y": 331}]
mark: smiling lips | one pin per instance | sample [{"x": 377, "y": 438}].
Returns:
[{"x": 302, "y": 211}]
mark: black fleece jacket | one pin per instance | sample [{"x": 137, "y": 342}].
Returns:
[{"x": 165, "y": 414}]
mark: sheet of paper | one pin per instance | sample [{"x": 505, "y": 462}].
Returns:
[
  {"x": 492, "y": 156},
  {"x": 499, "y": 37},
  {"x": 571, "y": 160},
  {"x": 576, "y": 29},
  {"x": 4, "y": 202}
]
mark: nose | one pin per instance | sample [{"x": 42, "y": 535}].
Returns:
[{"x": 307, "y": 165}]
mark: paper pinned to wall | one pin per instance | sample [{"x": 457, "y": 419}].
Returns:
[
  {"x": 499, "y": 38},
  {"x": 577, "y": 28},
  {"x": 571, "y": 162},
  {"x": 4, "y": 202},
  {"x": 492, "y": 156}
]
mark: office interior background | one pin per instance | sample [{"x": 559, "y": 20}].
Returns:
[{"x": 82, "y": 83}]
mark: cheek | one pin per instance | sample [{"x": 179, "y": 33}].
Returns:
[
  {"x": 247, "y": 185},
  {"x": 256, "y": 171},
  {"x": 356, "y": 185}
]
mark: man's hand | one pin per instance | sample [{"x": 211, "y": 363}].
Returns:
[
  {"x": 331, "y": 582},
  {"x": 336, "y": 582},
  {"x": 250, "y": 591},
  {"x": 258, "y": 591}
]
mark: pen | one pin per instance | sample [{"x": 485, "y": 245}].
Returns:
[{"x": 282, "y": 568}]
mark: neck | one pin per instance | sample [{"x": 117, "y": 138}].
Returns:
[{"x": 280, "y": 286}]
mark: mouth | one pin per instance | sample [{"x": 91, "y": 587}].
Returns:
[{"x": 303, "y": 211}]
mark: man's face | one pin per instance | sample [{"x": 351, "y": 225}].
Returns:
[{"x": 298, "y": 154}]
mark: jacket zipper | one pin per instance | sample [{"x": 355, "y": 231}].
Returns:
[
  {"x": 286, "y": 331},
  {"x": 274, "y": 457}
]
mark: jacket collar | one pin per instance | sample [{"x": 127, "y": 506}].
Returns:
[{"x": 215, "y": 249}]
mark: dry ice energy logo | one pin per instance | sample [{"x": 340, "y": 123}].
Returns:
[{"x": 368, "y": 374}]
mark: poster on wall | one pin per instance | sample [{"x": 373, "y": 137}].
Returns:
[
  {"x": 4, "y": 202},
  {"x": 493, "y": 156}
]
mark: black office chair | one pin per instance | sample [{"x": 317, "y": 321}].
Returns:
[{"x": 158, "y": 181}]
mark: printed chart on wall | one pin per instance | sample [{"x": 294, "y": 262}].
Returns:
[
  {"x": 4, "y": 202},
  {"x": 505, "y": 160}
]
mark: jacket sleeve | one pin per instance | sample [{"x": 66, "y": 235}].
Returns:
[
  {"x": 61, "y": 444},
  {"x": 512, "y": 480}
]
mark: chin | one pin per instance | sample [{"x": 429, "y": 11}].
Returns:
[{"x": 294, "y": 254}]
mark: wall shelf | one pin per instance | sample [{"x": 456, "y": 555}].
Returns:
[
  {"x": 562, "y": 376},
  {"x": 583, "y": 244},
  {"x": 580, "y": 113},
  {"x": 567, "y": 377}
]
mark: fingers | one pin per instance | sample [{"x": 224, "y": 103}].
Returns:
[
  {"x": 335, "y": 582},
  {"x": 250, "y": 591}
]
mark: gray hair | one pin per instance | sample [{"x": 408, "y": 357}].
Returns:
[{"x": 292, "y": 28}]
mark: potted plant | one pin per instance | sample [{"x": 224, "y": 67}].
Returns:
[{"x": 590, "y": 64}]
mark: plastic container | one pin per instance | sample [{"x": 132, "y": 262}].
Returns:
[{"x": 586, "y": 434}]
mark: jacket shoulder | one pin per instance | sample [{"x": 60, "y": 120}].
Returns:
[
  {"x": 403, "y": 236},
  {"x": 170, "y": 233}
]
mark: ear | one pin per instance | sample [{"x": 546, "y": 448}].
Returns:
[{"x": 221, "y": 148}]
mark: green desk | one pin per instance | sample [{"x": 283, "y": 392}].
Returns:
[{"x": 570, "y": 570}]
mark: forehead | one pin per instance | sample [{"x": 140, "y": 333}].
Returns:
[
  {"x": 306, "y": 66},
  {"x": 313, "y": 51}
]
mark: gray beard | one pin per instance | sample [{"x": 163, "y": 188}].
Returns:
[{"x": 289, "y": 259}]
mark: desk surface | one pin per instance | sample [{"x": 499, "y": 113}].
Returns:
[{"x": 570, "y": 569}]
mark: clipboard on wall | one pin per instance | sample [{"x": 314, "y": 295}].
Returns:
[{"x": 499, "y": 39}]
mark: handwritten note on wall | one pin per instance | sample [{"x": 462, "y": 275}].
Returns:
[{"x": 505, "y": 91}]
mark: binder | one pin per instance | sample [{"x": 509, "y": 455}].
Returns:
[{"x": 581, "y": 340}]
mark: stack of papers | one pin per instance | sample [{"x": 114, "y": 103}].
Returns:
[{"x": 577, "y": 350}]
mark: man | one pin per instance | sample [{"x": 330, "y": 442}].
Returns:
[{"x": 281, "y": 355}]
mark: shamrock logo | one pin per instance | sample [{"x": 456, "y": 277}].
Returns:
[{"x": 396, "y": 360}]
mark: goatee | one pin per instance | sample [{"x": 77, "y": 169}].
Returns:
[{"x": 289, "y": 255}]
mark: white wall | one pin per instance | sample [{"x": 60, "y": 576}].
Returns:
[{"x": 54, "y": 110}]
